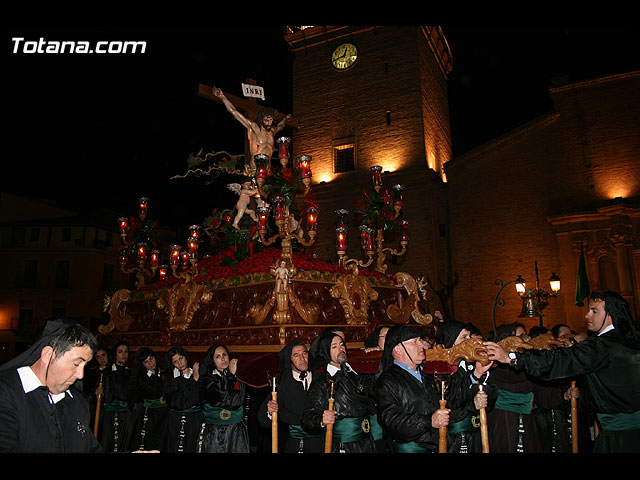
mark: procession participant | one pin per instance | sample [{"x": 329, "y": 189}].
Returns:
[
  {"x": 223, "y": 395},
  {"x": 182, "y": 394},
  {"x": 353, "y": 395},
  {"x": 116, "y": 416},
  {"x": 375, "y": 341},
  {"x": 145, "y": 398},
  {"x": 407, "y": 399},
  {"x": 293, "y": 381},
  {"x": 316, "y": 360},
  {"x": 512, "y": 424},
  {"x": 463, "y": 395},
  {"x": 609, "y": 361},
  {"x": 93, "y": 380},
  {"x": 43, "y": 411}
]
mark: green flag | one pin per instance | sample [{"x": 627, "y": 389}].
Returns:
[{"x": 582, "y": 283}]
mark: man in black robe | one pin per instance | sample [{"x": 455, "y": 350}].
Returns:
[
  {"x": 407, "y": 399},
  {"x": 293, "y": 381},
  {"x": 353, "y": 395},
  {"x": 41, "y": 410},
  {"x": 609, "y": 359}
]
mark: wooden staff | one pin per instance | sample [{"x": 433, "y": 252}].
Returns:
[
  {"x": 483, "y": 426},
  {"x": 574, "y": 421},
  {"x": 98, "y": 402},
  {"x": 442, "y": 441},
  {"x": 274, "y": 421},
  {"x": 328, "y": 438}
]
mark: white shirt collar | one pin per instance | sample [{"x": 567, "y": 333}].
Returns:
[
  {"x": 605, "y": 330},
  {"x": 332, "y": 369},
  {"x": 177, "y": 373},
  {"x": 30, "y": 382}
]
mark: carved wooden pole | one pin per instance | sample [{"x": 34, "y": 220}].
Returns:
[
  {"x": 328, "y": 438},
  {"x": 483, "y": 426},
  {"x": 274, "y": 421},
  {"x": 98, "y": 402},
  {"x": 574, "y": 421}
]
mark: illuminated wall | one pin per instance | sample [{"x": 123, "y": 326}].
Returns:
[{"x": 542, "y": 191}]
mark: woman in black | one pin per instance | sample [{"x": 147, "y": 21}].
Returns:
[
  {"x": 115, "y": 409},
  {"x": 182, "y": 394},
  {"x": 223, "y": 394},
  {"x": 149, "y": 409}
]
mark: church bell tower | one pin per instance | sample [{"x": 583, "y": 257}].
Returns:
[{"x": 370, "y": 96}]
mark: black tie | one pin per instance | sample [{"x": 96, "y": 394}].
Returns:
[{"x": 303, "y": 377}]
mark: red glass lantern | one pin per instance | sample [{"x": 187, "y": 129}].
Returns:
[
  {"x": 312, "y": 218},
  {"x": 123, "y": 222},
  {"x": 142, "y": 204},
  {"x": 175, "y": 254},
  {"x": 341, "y": 238},
  {"x": 304, "y": 164},
  {"x": 376, "y": 176},
  {"x": 142, "y": 252},
  {"x": 155, "y": 255}
]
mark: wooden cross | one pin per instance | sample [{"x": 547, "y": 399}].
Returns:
[{"x": 247, "y": 106}]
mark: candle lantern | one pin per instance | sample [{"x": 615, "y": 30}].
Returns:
[
  {"x": 124, "y": 255},
  {"x": 312, "y": 218},
  {"x": 376, "y": 177},
  {"x": 143, "y": 201},
  {"x": 194, "y": 231},
  {"x": 303, "y": 162},
  {"x": 175, "y": 254},
  {"x": 163, "y": 271},
  {"x": 341, "y": 238},
  {"x": 142, "y": 252},
  {"x": 278, "y": 213},
  {"x": 263, "y": 215},
  {"x": 262, "y": 167},
  {"x": 155, "y": 255},
  {"x": 124, "y": 226},
  {"x": 404, "y": 237},
  {"x": 366, "y": 238},
  {"x": 185, "y": 260},
  {"x": 192, "y": 243},
  {"x": 283, "y": 149},
  {"x": 397, "y": 196}
]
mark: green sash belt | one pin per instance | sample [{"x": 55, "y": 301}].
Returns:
[
  {"x": 407, "y": 447},
  {"x": 296, "y": 431},
  {"x": 222, "y": 416},
  {"x": 154, "y": 402},
  {"x": 620, "y": 421},
  {"x": 464, "y": 425},
  {"x": 376, "y": 428},
  {"x": 116, "y": 406},
  {"x": 351, "y": 429},
  {"x": 514, "y": 402}
]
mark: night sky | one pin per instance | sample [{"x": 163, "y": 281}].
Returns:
[{"x": 101, "y": 130}]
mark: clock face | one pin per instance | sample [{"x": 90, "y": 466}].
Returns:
[{"x": 344, "y": 56}]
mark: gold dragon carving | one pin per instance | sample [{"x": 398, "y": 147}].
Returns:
[
  {"x": 410, "y": 307},
  {"x": 118, "y": 319},
  {"x": 182, "y": 301}
]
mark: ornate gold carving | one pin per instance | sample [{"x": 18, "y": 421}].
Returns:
[
  {"x": 470, "y": 350},
  {"x": 182, "y": 301},
  {"x": 354, "y": 293},
  {"x": 117, "y": 319},
  {"x": 400, "y": 314},
  {"x": 282, "y": 297}
]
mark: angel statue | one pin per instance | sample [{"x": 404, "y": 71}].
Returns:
[{"x": 245, "y": 191}]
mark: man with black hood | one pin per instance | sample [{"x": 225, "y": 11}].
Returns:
[
  {"x": 609, "y": 359},
  {"x": 353, "y": 395},
  {"x": 463, "y": 394},
  {"x": 292, "y": 385},
  {"x": 407, "y": 399},
  {"x": 42, "y": 410}
]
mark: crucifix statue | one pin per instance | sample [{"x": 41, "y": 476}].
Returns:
[{"x": 261, "y": 131}]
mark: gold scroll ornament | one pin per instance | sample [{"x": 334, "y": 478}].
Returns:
[{"x": 182, "y": 301}]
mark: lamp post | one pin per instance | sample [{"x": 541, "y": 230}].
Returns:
[{"x": 534, "y": 301}]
